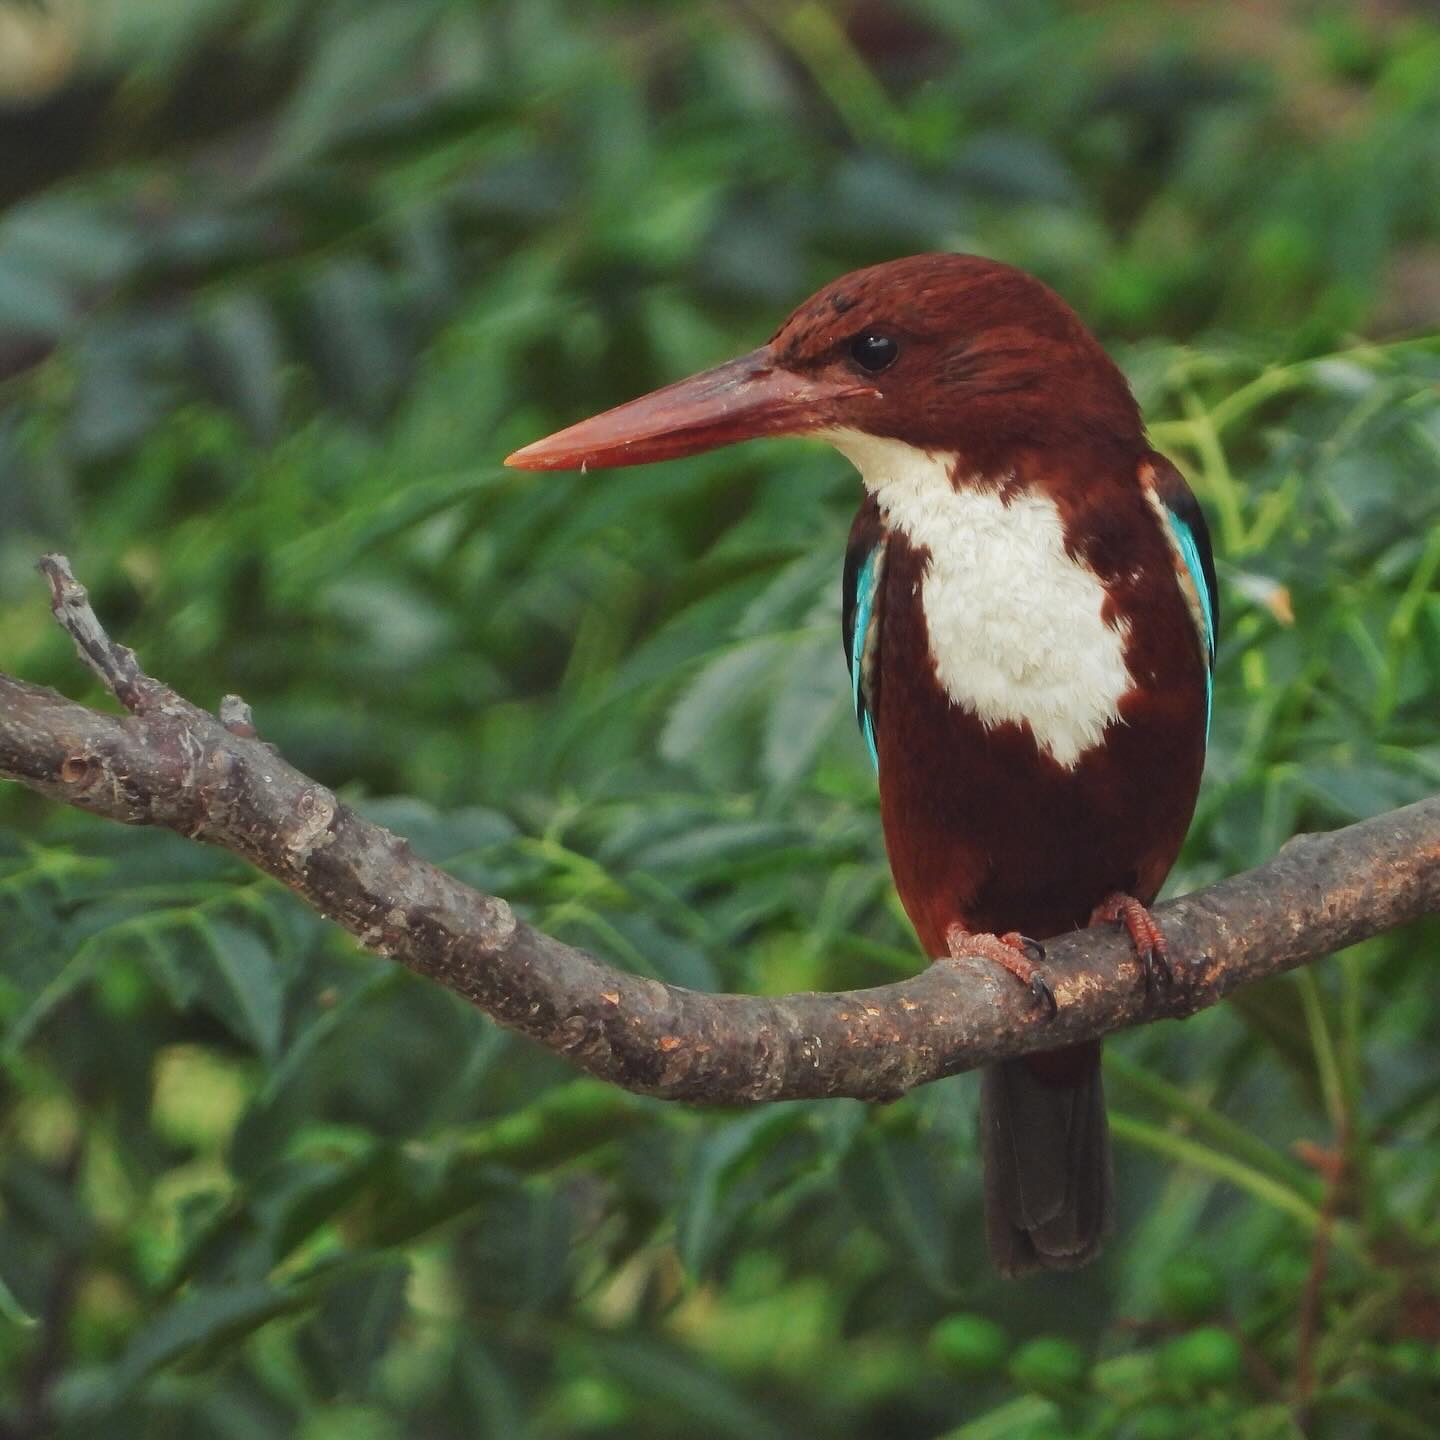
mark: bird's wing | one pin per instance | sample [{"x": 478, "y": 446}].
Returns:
[
  {"x": 863, "y": 594},
  {"x": 1189, "y": 536}
]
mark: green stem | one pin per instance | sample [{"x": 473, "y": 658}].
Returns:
[
  {"x": 1242, "y": 1176},
  {"x": 1400, "y": 630},
  {"x": 1219, "y": 479},
  {"x": 1280, "y": 378},
  {"x": 820, "y": 43},
  {"x": 1327, "y": 1062},
  {"x": 1215, "y": 1126}
]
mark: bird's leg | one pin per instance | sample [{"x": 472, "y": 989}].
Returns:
[
  {"x": 1012, "y": 951},
  {"x": 1146, "y": 938}
]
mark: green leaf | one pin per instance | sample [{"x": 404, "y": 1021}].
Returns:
[
  {"x": 357, "y": 350},
  {"x": 356, "y": 57},
  {"x": 280, "y": 1211},
  {"x": 689, "y": 1391},
  {"x": 354, "y": 1326},
  {"x": 202, "y": 1322},
  {"x": 703, "y": 723},
  {"x": 12, "y": 1312},
  {"x": 721, "y": 848},
  {"x": 244, "y": 987},
  {"x": 489, "y": 1391},
  {"x": 31, "y": 302},
  {"x": 809, "y": 702},
  {"x": 332, "y": 548},
  {"x": 720, "y": 1173},
  {"x": 334, "y": 1018},
  {"x": 896, "y": 1187},
  {"x": 38, "y": 1005},
  {"x": 562, "y": 1124},
  {"x": 240, "y": 346}
]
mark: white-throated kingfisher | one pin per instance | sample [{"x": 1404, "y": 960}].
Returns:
[{"x": 1029, "y": 618}]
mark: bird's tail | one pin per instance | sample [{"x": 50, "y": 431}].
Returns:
[{"x": 1046, "y": 1146}]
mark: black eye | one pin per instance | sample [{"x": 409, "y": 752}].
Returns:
[{"x": 873, "y": 352}]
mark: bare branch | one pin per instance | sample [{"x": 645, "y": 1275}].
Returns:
[{"x": 169, "y": 763}]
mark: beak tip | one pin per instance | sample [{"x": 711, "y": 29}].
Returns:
[
  {"x": 544, "y": 455},
  {"x": 527, "y": 457}
]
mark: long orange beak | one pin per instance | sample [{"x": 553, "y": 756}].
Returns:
[{"x": 739, "y": 400}]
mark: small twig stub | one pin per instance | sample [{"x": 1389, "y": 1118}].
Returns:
[{"x": 116, "y": 665}]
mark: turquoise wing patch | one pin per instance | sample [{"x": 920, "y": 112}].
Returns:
[
  {"x": 863, "y": 645},
  {"x": 1190, "y": 554},
  {"x": 1189, "y": 548}
]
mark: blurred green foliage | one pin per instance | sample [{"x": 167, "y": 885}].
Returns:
[{"x": 280, "y": 283}]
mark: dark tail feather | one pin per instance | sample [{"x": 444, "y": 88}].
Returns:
[{"x": 1046, "y": 1146}]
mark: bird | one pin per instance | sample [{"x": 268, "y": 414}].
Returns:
[{"x": 1029, "y": 617}]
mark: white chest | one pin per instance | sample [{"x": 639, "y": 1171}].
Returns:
[{"x": 1016, "y": 625}]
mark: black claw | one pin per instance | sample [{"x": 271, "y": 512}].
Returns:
[
  {"x": 1044, "y": 995},
  {"x": 1034, "y": 950},
  {"x": 1158, "y": 974}
]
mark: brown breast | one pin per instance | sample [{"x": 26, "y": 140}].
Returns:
[{"x": 987, "y": 830}]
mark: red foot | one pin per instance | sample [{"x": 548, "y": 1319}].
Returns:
[
  {"x": 1146, "y": 938},
  {"x": 1012, "y": 951}
]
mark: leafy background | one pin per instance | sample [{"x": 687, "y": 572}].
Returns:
[{"x": 280, "y": 283}]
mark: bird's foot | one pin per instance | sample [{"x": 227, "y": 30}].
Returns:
[
  {"x": 1147, "y": 939},
  {"x": 1012, "y": 951}
]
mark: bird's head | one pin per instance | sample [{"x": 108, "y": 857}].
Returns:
[{"x": 945, "y": 353}]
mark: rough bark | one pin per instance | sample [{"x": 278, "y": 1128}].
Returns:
[{"x": 167, "y": 762}]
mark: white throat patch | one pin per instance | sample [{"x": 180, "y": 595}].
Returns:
[{"x": 1015, "y": 624}]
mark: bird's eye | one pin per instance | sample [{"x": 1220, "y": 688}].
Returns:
[{"x": 873, "y": 352}]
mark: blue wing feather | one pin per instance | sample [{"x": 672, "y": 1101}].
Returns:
[
  {"x": 1190, "y": 554},
  {"x": 1191, "y": 536},
  {"x": 863, "y": 597},
  {"x": 866, "y": 587}
]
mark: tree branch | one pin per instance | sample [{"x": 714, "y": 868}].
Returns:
[{"x": 169, "y": 763}]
